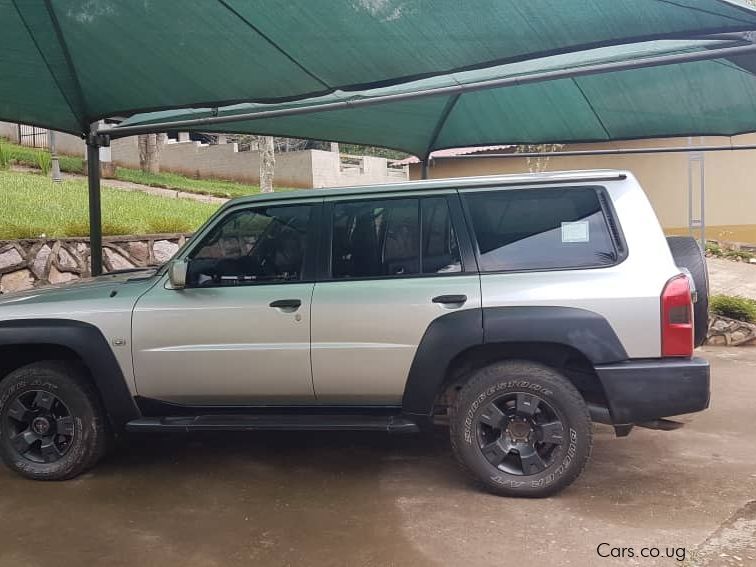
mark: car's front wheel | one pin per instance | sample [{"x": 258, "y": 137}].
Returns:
[
  {"x": 521, "y": 429},
  {"x": 52, "y": 426}
]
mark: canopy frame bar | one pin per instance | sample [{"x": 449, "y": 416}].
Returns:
[
  {"x": 645, "y": 62},
  {"x": 605, "y": 152}
]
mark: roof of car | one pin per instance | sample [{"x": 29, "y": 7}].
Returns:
[{"x": 534, "y": 179}]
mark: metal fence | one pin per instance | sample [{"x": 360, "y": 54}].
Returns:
[{"x": 32, "y": 136}]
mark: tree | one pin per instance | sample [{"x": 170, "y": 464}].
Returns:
[
  {"x": 149, "y": 152},
  {"x": 267, "y": 162}
]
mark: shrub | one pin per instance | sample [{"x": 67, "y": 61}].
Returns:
[
  {"x": 713, "y": 249},
  {"x": 734, "y": 307},
  {"x": 44, "y": 163},
  {"x": 740, "y": 255}
]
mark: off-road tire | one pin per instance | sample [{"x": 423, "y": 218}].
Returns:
[
  {"x": 91, "y": 435},
  {"x": 501, "y": 381}
]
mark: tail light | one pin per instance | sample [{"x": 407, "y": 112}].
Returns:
[{"x": 677, "y": 318}]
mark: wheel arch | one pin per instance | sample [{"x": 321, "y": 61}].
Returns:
[
  {"x": 30, "y": 340},
  {"x": 567, "y": 339}
]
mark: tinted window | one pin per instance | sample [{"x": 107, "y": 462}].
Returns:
[
  {"x": 540, "y": 229},
  {"x": 440, "y": 249},
  {"x": 383, "y": 238},
  {"x": 252, "y": 246}
]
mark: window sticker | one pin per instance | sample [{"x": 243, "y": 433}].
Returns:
[{"x": 577, "y": 231}]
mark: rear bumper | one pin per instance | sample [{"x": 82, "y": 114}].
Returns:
[{"x": 644, "y": 390}]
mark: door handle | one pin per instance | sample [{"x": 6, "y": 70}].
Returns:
[
  {"x": 448, "y": 299},
  {"x": 287, "y": 304}
]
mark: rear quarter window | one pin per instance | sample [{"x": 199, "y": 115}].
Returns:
[{"x": 541, "y": 229}]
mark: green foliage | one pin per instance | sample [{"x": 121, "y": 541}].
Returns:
[
  {"x": 357, "y": 150},
  {"x": 714, "y": 249},
  {"x": 214, "y": 187},
  {"x": 44, "y": 163},
  {"x": 31, "y": 206},
  {"x": 168, "y": 224},
  {"x": 35, "y": 157},
  {"x": 4, "y": 157},
  {"x": 734, "y": 307},
  {"x": 741, "y": 255},
  {"x": 29, "y": 157}
]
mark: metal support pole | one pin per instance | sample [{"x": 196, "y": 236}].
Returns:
[
  {"x": 696, "y": 224},
  {"x": 95, "y": 210},
  {"x": 54, "y": 161},
  {"x": 424, "y": 169}
]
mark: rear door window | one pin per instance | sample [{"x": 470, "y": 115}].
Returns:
[
  {"x": 540, "y": 229},
  {"x": 393, "y": 238}
]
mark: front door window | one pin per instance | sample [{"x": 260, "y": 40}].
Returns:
[{"x": 252, "y": 246}]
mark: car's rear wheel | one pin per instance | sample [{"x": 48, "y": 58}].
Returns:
[
  {"x": 521, "y": 429},
  {"x": 52, "y": 426}
]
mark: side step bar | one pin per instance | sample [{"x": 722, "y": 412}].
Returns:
[{"x": 390, "y": 424}]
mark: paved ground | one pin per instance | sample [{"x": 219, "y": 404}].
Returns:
[
  {"x": 374, "y": 500},
  {"x": 732, "y": 278}
]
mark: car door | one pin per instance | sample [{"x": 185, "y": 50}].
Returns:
[
  {"x": 394, "y": 265},
  {"x": 239, "y": 333}
]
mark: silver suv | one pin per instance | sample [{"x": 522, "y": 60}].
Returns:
[{"x": 515, "y": 309}]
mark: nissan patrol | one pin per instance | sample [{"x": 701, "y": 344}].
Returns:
[{"x": 516, "y": 309}]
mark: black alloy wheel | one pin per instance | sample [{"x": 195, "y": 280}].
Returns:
[
  {"x": 520, "y": 428},
  {"x": 518, "y": 433},
  {"x": 52, "y": 424},
  {"x": 40, "y": 426}
]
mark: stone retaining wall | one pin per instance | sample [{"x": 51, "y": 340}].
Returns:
[
  {"x": 25, "y": 264},
  {"x": 730, "y": 332}
]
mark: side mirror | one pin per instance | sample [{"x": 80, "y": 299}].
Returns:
[{"x": 177, "y": 273}]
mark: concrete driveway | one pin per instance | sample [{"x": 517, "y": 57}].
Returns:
[{"x": 371, "y": 499}]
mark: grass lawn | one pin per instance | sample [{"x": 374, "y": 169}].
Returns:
[
  {"x": 72, "y": 164},
  {"x": 214, "y": 187},
  {"x": 29, "y": 157},
  {"x": 32, "y": 205}
]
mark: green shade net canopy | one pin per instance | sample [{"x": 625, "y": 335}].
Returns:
[
  {"x": 704, "y": 97},
  {"x": 67, "y": 63}
]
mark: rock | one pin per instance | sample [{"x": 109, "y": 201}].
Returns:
[
  {"x": 139, "y": 251},
  {"x": 716, "y": 340},
  {"x": 164, "y": 250},
  {"x": 117, "y": 262},
  {"x": 40, "y": 262},
  {"x": 16, "y": 281},
  {"x": 66, "y": 261},
  {"x": 58, "y": 277},
  {"x": 10, "y": 258}
]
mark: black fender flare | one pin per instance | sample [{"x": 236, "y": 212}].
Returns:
[
  {"x": 89, "y": 344},
  {"x": 450, "y": 335}
]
